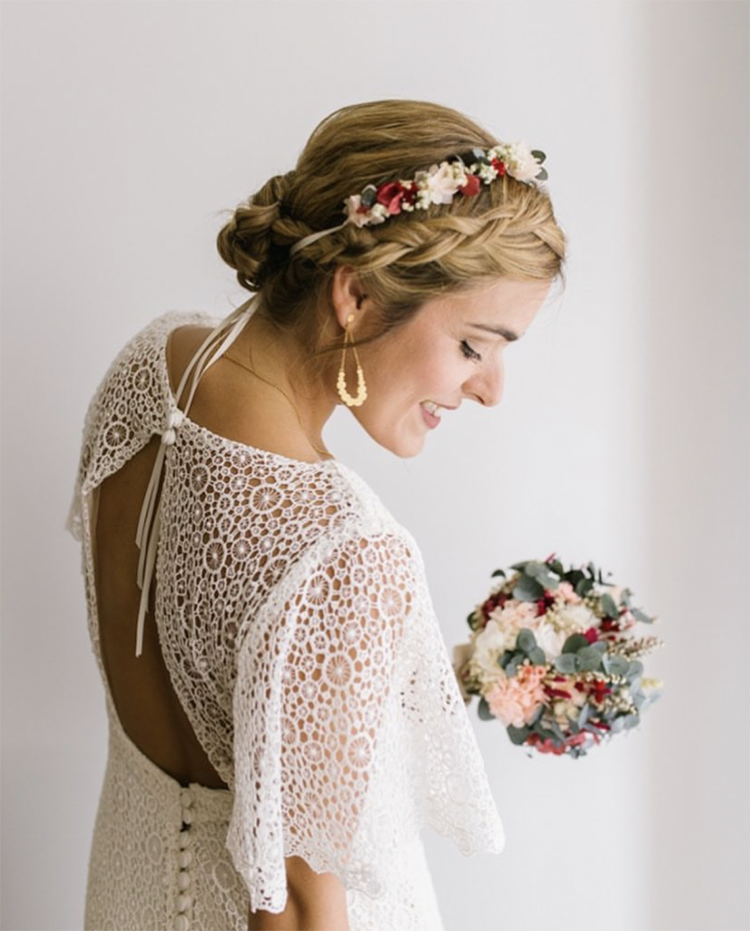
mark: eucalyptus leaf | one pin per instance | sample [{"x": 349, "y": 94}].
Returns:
[
  {"x": 484, "y": 710},
  {"x": 632, "y": 720},
  {"x": 537, "y": 657},
  {"x": 538, "y": 155},
  {"x": 609, "y": 607},
  {"x": 543, "y": 175},
  {"x": 498, "y": 572},
  {"x": 641, "y": 616},
  {"x": 526, "y": 640},
  {"x": 528, "y": 589},
  {"x": 584, "y": 587},
  {"x": 635, "y": 668},
  {"x": 614, "y": 664},
  {"x": 584, "y": 715},
  {"x": 518, "y": 734},
  {"x": 574, "y": 643},
  {"x": 590, "y": 659},
  {"x": 566, "y": 663}
]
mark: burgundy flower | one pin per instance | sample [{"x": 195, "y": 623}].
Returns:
[
  {"x": 500, "y": 167},
  {"x": 391, "y": 194},
  {"x": 471, "y": 187}
]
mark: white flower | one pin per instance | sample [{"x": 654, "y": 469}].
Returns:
[
  {"x": 522, "y": 164},
  {"x": 487, "y": 173},
  {"x": 489, "y": 646},
  {"x": 442, "y": 184},
  {"x": 571, "y": 617},
  {"x": 378, "y": 213},
  {"x": 550, "y": 639}
]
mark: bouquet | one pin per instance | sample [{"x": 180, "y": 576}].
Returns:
[{"x": 552, "y": 656}]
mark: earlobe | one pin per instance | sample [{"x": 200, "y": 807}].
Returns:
[{"x": 346, "y": 293}]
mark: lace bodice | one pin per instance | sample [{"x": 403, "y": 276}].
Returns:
[{"x": 299, "y": 634}]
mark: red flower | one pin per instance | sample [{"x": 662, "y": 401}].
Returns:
[
  {"x": 499, "y": 166},
  {"x": 471, "y": 187},
  {"x": 545, "y": 746},
  {"x": 591, "y": 635},
  {"x": 391, "y": 194},
  {"x": 557, "y": 693}
]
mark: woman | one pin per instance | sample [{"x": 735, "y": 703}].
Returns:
[{"x": 289, "y": 719}]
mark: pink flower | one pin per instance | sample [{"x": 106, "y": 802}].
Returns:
[
  {"x": 566, "y": 593},
  {"x": 515, "y": 699}
]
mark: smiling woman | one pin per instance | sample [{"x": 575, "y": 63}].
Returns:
[{"x": 269, "y": 764}]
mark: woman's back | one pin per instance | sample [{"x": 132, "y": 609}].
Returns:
[{"x": 288, "y": 652}]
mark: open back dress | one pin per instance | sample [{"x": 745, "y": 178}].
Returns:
[{"x": 296, "y": 626}]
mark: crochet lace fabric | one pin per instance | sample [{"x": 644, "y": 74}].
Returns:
[{"x": 300, "y": 637}]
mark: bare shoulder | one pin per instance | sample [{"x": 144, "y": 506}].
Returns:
[{"x": 182, "y": 345}]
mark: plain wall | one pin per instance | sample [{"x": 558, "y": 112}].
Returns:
[{"x": 622, "y": 437}]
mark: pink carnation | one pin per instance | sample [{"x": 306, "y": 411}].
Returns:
[{"x": 515, "y": 699}]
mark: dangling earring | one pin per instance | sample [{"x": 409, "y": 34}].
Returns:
[{"x": 341, "y": 381}]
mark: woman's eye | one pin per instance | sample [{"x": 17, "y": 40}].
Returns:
[{"x": 468, "y": 352}]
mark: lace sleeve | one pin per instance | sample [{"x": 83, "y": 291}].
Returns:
[{"x": 314, "y": 692}]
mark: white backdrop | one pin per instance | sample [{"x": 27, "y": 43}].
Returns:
[{"x": 622, "y": 436}]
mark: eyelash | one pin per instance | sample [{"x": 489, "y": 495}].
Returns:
[{"x": 468, "y": 352}]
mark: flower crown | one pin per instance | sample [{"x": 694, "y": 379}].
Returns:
[{"x": 458, "y": 175}]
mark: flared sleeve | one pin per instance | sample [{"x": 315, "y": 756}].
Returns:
[{"x": 333, "y": 756}]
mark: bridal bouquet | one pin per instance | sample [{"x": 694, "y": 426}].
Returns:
[{"x": 552, "y": 656}]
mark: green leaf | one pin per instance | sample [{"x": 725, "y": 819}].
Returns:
[
  {"x": 609, "y": 607},
  {"x": 584, "y": 587},
  {"x": 635, "y": 668},
  {"x": 521, "y": 566},
  {"x": 528, "y": 589},
  {"x": 537, "y": 656},
  {"x": 641, "y": 616},
  {"x": 484, "y": 710},
  {"x": 538, "y": 155},
  {"x": 584, "y": 715},
  {"x": 526, "y": 640},
  {"x": 557, "y": 567},
  {"x": 566, "y": 663},
  {"x": 518, "y": 734},
  {"x": 369, "y": 195},
  {"x": 615, "y": 665},
  {"x": 497, "y": 572},
  {"x": 590, "y": 659},
  {"x": 574, "y": 643}
]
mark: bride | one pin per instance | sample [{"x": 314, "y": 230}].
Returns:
[{"x": 283, "y": 714}]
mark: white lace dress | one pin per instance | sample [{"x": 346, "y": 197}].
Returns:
[{"x": 297, "y": 628}]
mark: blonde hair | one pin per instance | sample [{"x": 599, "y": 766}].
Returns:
[{"x": 507, "y": 230}]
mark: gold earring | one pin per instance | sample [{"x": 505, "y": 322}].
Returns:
[{"x": 341, "y": 381}]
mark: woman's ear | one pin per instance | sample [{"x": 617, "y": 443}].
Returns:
[{"x": 347, "y": 295}]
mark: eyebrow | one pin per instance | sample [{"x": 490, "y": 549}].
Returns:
[{"x": 498, "y": 331}]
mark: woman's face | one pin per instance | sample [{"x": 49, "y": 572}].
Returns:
[{"x": 450, "y": 351}]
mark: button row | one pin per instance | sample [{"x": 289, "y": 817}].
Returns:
[{"x": 184, "y": 859}]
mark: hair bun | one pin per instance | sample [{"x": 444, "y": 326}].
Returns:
[{"x": 245, "y": 242}]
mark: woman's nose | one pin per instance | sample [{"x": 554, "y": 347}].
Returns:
[{"x": 487, "y": 386}]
